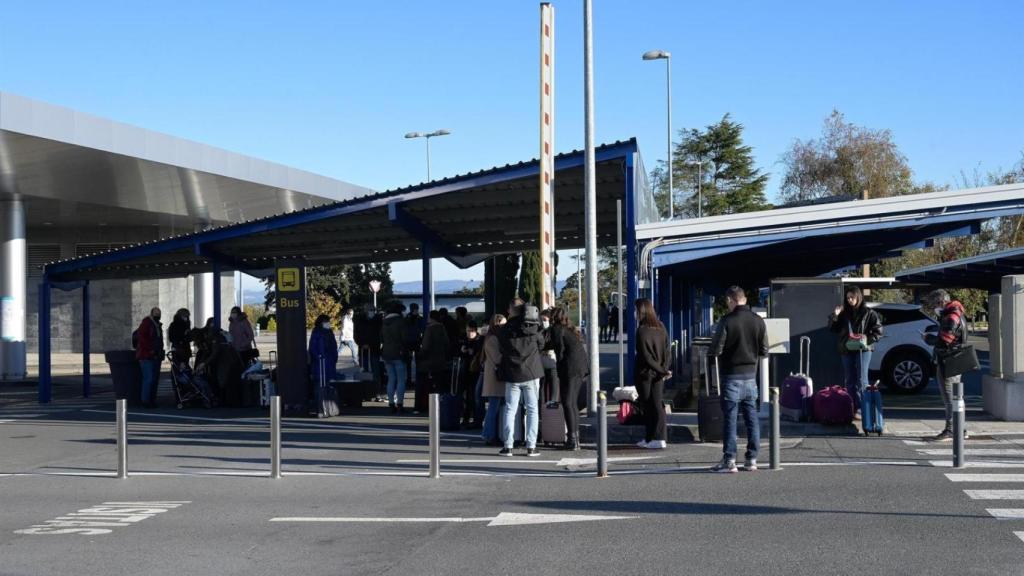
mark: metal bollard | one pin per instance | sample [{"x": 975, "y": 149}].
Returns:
[
  {"x": 776, "y": 437},
  {"x": 958, "y": 425},
  {"x": 275, "y": 436},
  {"x": 122, "y": 438},
  {"x": 602, "y": 434},
  {"x": 435, "y": 436}
]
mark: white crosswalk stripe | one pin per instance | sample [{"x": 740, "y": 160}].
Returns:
[
  {"x": 995, "y": 494},
  {"x": 1007, "y": 513},
  {"x": 985, "y": 477},
  {"x": 1020, "y": 535},
  {"x": 981, "y": 463},
  {"x": 975, "y": 452}
]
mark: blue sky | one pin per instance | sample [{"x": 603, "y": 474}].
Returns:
[{"x": 331, "y": 87}]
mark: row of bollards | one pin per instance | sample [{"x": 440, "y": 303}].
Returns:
[{"x": 434, "y": 429}]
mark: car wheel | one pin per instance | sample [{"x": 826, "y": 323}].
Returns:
[{"x": 906, "y": 371}]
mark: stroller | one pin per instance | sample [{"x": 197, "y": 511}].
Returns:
[{"x": 188, "y": 387}]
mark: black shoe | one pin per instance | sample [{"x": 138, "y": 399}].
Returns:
[
  {"x": 505, "y": 452},
  {"x": 944, "y": 436},
  {"x": 532, "y": 452},
  {"x": 572, "y": 444}
]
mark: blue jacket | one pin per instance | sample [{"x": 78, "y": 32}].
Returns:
[{"x": 323, "y": 344}]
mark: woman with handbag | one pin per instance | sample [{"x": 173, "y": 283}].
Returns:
[
  {"x": 859, "y": 328},
  {"x": 953, "y": 357}
]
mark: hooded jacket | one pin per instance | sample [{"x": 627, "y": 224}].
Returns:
[
  {"x": 393, "y": 338},
  {"x": 952, "y": 330},
  {"x": 521, "y": 342}
]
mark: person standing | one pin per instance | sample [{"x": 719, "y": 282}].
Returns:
[
  {"x": 952, "y": 334},
  {"x": 374, "y": 325},
  {"x": 348, "y": 334},
  {"x": 613, "y": 323},
  {"x": 739, "y": 342},
  {"x": 393, "y": 353},
  {"x": 493, "y": 387},
  {"x": 322, "y": 348},
  {"x": 242, "y": 336},
  {"x": 432, "y": 361},
  {"x": 571, "y": 362},
  {"x": 521, "y": 370},
  {"x": 470, "y": 347},
  {"x": 859, "y": 328},
  {"x": 650, "y": 370},
  {"x": 602, "y": 321},
  {"x": 179, "y": 334},
  {"x": 413, "y": 338},
  {"x": 149, "y": 351}
]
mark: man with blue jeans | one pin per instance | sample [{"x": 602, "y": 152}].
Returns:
[
  {"x": 393, "y": 352},
  {"x": 520, "y": 368},
  {"x": 149, "y": 351},
  {"x": 739, "y": 342}
]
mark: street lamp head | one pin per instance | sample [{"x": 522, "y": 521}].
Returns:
[
  {"x": 441, "y": 132},
  {"x": 414, "y": 135},
  {"x": 657, "y": 55}
]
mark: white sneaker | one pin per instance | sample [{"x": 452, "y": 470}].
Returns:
[
  {"x": 657, "y": 445},
  {"x": 642, "y": 444}
]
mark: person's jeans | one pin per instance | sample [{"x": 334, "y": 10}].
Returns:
[
  {"x": 494, "y": 406},
  {"x": 396, "y": 381},
  {"x": 740, "y": 393},
  {"x": 150, "y": 380},
  {"x": 855, "y": 374},
  {"x": 946, "y": 388},
  {"x": 351, "y": 345},
  {"x": 528, "y": 390}
]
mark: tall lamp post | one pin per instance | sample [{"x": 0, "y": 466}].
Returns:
[
  {"x": 428, "y": 136},
  {"x": 667, "y": 57},
  {"x": 700, "y": 181}
]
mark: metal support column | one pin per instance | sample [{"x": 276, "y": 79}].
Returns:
[
  {"x": 275, "y": 436},
  {"x": 86, "y": 384},
  {"x": 435, "y": 435},
  {"x": 428, "y": 282},
  {"x": 959, "y": 458},
  {"x": 122, "y": 438},
  {"x": 631, "y": 259},
  {"x": 216, "y": 295},
  {"x": 45, "y": 382},
  {"x": 776, "y": 436}
]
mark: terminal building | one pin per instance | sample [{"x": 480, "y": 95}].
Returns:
[{"x": 73, "y": 184}]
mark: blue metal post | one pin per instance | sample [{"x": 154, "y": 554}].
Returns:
[
  {"x": 216, "y": 295},
  {"x": 631, "y": 263},
  {"x": 428, "y": 281},
  {"x": 86, "y": 384},
  {"x": 45, "y": 383}
]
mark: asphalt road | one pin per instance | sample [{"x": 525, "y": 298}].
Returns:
[{"x": 205, "y": 505}]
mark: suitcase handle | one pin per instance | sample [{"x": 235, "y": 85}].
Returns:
[
  {"x": 707, "y": 376},
  {"x": 805, "y": 360}
]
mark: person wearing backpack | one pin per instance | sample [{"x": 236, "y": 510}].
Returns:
[
  {"x": 520, "y": 369},
  {"x": 859, "y": 328},
  {"x": 149, "y": 351},
  {"x": 952, "y": 334}
]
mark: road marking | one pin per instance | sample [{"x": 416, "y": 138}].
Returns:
[
  {"x": 985, "y": 477},
  {"x": 868, "y": 463},
  {"x": 975, "y": 452},
  {"x": 570, "y": 462},
  {"x": 1007, "y": 513},
  {"x": 995, "y": 494},
  {"x": 1020, "y": 535},
  {"x": 502, "y": 519},
  {"x": 6, "y": 421},
  {"x": 968, "y": 442},
  {"x": 587, "y": 462},
  {"x": 981, "y": 463},
  {"x": 102, "y": 519}
]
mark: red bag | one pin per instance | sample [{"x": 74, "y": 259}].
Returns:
[
  {"x": 833, "y": 405},
  {"x": 629, "y": 414}
]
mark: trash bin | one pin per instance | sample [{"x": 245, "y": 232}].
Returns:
[{"x": 126, "y": 374}]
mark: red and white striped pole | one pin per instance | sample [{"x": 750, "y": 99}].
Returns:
[{"x": 547, "y": 153}]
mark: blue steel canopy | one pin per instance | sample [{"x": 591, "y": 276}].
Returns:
[
  {"x": 983, "y": 272},
  {"x": 463, "y": 218}
]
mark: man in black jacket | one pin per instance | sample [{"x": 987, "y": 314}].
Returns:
[
  {"x": 739, "y": 342},
  {"x": 521, "y": 342}
]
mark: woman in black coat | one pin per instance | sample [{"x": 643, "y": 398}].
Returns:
[
  {"x": 571, "y": 365},
  {"x": 650, "y": 370},
  {"x": 854, "y": 320}
]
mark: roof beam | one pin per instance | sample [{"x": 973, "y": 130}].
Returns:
[{"x": 399, "y": 216}]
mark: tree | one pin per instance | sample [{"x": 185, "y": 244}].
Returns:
[
  {"x": 330, "y": 280},
  {"x": 359, "y": 276},
  {"x": 318, "y": 303},
  {"x": 728, "y": 181},
  {"x": 477, "y": 290},
  {"x": 846, "y": 161},
  {"x": 502, "y": 273},
  {"x": 530, "y": 278}
]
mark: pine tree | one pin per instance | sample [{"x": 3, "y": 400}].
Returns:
[
  {"x": 530, "y": 278},
  {"x": 506, "y": 267}
]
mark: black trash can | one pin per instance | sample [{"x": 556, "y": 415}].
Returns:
[{"x": 127, "y": 376}]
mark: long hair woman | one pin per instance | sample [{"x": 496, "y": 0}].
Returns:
[
  {"x": 571, "y": 366},
  {"x": 859, "y": 328},
  {"x": 650, "y": 369}
]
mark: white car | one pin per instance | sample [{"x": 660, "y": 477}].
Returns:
[{"x": 901, "y": 358}]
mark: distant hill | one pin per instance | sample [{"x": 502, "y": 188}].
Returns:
[{"x": 440, "y": 286}]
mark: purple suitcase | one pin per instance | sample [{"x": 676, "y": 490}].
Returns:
[
  {"x": 798, "y": 389},
  {"x": 833, "y": 405}
]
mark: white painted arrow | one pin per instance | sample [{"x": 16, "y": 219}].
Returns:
[
  {"x": 579, "y": 462},
  {"x": 502, "y": 519}
]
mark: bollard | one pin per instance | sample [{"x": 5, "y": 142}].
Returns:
[
  {"x": 775, "y": 438},
  {"x": 275, "y": 436},
  {"x": 435, "y": 436},
  {"x": 122, "y": 438},
  {"x": 602, "y": 435},
  {"x": 958, "y": 424}
]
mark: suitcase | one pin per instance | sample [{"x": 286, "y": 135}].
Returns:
[
  {"x": 552, "y": 419},
  {"x": 266, "y": 391},
  {"x": 630, "y": 414},
  {"x": 833, "y": 405},
  {"x": 326, "y": 396},
  {"x": 451, "y": 401},
  {"x": 350, "y": 393},
  {"x": 798, "y": 389},
  {"x": 871, "y": 410},
  {"x": 710, "y": 419}
]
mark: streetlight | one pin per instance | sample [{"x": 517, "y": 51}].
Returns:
[
  {"x": 428, "y": 136},
  {"x": 700, "y": 180},
  {"x": 667, "y": 57}
]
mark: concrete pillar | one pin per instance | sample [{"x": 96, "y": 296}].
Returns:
[
  {"x": 202, "y": 298},
  {"x": 1012, "y": 328},
  {"x": 995, "y": 335},
  {"x": 12, "y": 289}
]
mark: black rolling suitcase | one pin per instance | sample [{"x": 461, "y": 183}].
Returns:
[
  {"x": 709, "y": 410},
  {"x": 451, "y": 401},
  {"x": 326, "y": 395}
]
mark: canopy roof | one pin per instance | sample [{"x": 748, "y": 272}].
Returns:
[
  {"x": 983, "y": 272},
  {"x": 463, "y": 218}
]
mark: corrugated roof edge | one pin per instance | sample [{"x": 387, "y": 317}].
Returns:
[{"x": 331, "y": 205}]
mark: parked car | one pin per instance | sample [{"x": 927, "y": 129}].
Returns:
[{"x": 902, "y": 361}]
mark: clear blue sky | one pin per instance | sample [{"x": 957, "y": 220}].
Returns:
[{"x": 331, "y": 87}]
